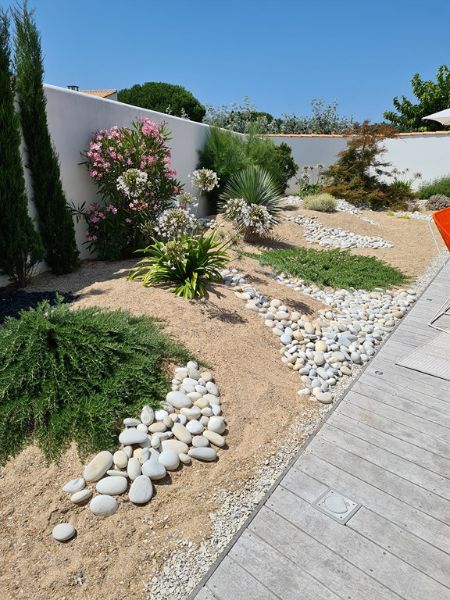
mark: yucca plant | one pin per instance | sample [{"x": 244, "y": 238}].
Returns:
[
  {"x": 190, "y": 263},
  {"x": 256, "y": 186}
]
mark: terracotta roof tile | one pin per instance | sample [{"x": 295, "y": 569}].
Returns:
[{"x": 99, "y": 93}]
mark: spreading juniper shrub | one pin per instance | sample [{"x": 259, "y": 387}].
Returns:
[{"x": 73, "y": 375}]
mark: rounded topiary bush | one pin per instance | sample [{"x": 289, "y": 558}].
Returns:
[
  {"x": 320, "y": 202},
  {"x": 437, "y": 202},
  {"x": 72, "y": 375}
]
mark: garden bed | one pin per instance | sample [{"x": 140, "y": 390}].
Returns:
[{"x": 119, "y": 557}]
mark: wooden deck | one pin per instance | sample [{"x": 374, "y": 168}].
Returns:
[{"x": 387, "y": 447}]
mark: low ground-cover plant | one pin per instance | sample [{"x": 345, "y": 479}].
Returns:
[
  {"x": 132, "y": 169},
  {"x": 335, "y": 268},
  {"x": 72, "y": 375},
  {"x": 189, "y": 262},
  {"x": 251, "y": 201},
  {"x": 435, "y": 187},
  {"x": 320, "y": 202}
]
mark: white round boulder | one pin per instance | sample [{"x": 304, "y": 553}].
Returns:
[
  {"x": 169, "y": 459},
  {"x": 103, "y": 506},
  {"x": 206, "y": 454},
  {"x": 112, "y": 486},
  {"x": 74, "y": 485},
  {"x": 132, "y": 436},
  {"x": 217, "y": 424},
  {"x": 63, "y": 532},
  {"x": 178, "y": 400},
  {"x": 141, "y": 490},
  {"x": 98, "y": 466},
  {"x": 81, "y": 496}
]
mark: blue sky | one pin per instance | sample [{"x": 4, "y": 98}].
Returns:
[{"x": 280, "y": 54}]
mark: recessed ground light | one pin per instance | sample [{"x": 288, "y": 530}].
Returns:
[
  {"x": 378, "y": 372},
  {"x": 337, "y": 506}
]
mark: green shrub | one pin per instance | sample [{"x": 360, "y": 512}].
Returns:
[
  {"x": 164, "y": 97},
  {"x": 437, "y": 202},
  {"x": 73, "y": 375},
  {"x": 20, "y": 244},
  {"x": 440, "y": 186},
  {"x": 255, "y": 186},
  {"x": 55, "y": 219},
  {"x": 320, "y": 202},
  {"x": 190, "y": 263},
  {"x": 357, "y": 174},
  {"x": 227, "y": 153},
  {"x": 335, "y": 268}
]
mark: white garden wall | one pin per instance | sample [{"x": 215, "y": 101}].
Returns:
[
  {"x": 73, "y": 117},
  {"x": 425, "y": 153}
]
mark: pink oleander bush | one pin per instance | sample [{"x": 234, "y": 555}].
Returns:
[{"x": 136, "y": 182}]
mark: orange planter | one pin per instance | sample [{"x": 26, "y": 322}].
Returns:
[{"x": 442, "y": 220}]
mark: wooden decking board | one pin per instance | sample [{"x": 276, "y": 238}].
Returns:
[
  {"x": 423, "y": 441},
  {"x": 393, "y": 463},
  {"x": 404, "y": 515},
  {"x": 394, "y": 485},
  {"x": 387, "y": 447},
  {"x": 402, "y": 544},
  {"x": 397, "y": 446},
  {"x": 357, "y": 550},
  {"x": 399, "y": 416},
  {"x": 334, "y": 571},
  {"x": 232, "y": 582},
  {"x": 378, "y": 389},
  {"x": 284, "y": 578}
]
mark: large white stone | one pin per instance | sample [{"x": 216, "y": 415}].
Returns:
[
  {"x": 216, "y": 424},
  {"x": 141, "y": 490},
  {"x": 153, "y": 468},
  {"x": 147, "y": 415},
  {"x": 214, "y": 438},
  {"x": 103, "y": 506},
  {"x": 194, "y": 427},
  {"x": 132, "y": 436},
  {"x": 120, "y": 459},
  {"x": 175, "y": 445},
  {"x": 74, "y": 485},
  {"x": 98, "y": 466},
  {"x": 63, "y": 532},
  {"x": 178, "y": 400},
  {"x": 206, "y": 454},
  {"x": 181, "y": 433},
  {"x": 112, "y": 485},
  {"x": 81, "y": 496},
  {"x": 169, "y": 459},
  {"x": 133, "y": 468}
]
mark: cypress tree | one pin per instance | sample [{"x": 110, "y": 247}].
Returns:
[
  {"x": 55, "y": 219},
  {"x": 20, "y": 244}
]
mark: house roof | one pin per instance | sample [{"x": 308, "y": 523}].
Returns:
[{"x": 99, "y": 93}]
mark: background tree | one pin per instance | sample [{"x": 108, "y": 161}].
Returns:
[
  {"x": 55, "y": 219},
  {"x": 164, "y": 97},
  {"x": 432, "y": 97},
  {"x": 20, "y": 244}
]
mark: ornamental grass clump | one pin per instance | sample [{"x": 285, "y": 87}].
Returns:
[
  {"x": 190, "y": 263},
  {"x": 72, "y": 375},
  {"x": 132, "y": 170},
  {"x": 320, "y": 202}
]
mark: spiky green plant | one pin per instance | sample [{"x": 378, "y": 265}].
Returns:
[
  {"x": 190, "y": 263},
  {"x": 54, "y": 216},
  {"x": 73, "y": 375},
  {"x": 255, "y": 185},
  {"x": 20, "y": 244}
]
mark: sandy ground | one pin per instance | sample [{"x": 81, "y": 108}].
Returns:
[{"x": 113, "y": 558}]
